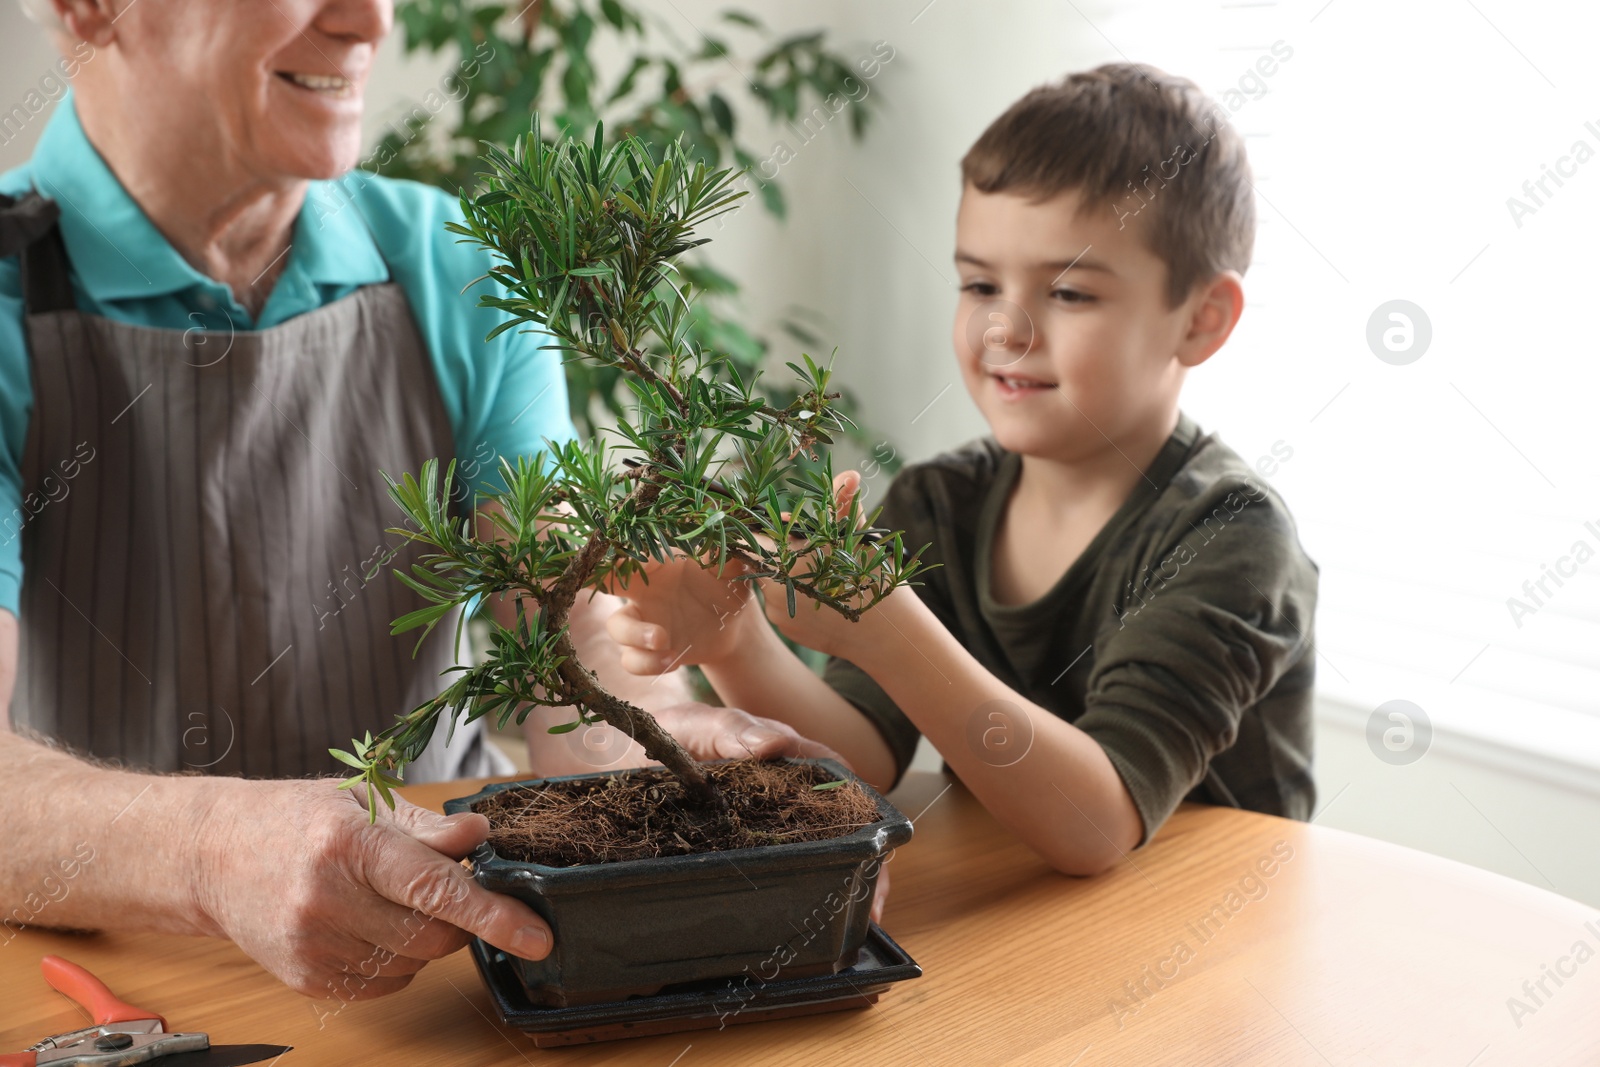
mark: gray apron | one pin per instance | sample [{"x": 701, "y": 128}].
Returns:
[{"x": 201, "y": 510}]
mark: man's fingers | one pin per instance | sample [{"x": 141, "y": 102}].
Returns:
[
  {"x": 351, "y": 987},
  {"x": 733, "y": 733},
  {"x": 403, "y": 966},
  {"x": 805, "y": 748},
  {"x": 417, "y": 932},
  {"x": 414, "y": 876},
  {"x": 371, "y": 960},
  {"x": 724, "y": 733},
  {"x": 395, "y": 934},
  {"x": 354, "y": 969},
  {"x": 451, "y": 835}
]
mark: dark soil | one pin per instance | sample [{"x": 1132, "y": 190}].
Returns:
[{"x": 642, "y": 814}]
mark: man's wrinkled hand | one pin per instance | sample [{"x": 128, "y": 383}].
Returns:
[
  {"x": 294, "y": 874},
  {"x": 710, "y": 732}
]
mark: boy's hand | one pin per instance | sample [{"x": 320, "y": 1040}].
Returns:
[
  {"x": 688, "y": 613},
  {"x": 815, "y": 625}
]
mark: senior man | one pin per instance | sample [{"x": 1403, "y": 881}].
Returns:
[{"x": 209, "y": 348}]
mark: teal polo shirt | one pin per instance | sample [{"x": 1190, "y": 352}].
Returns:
[{"x": 504, "y": 397}]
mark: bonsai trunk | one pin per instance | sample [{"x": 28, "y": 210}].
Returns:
[{"x": 585, "y": 690}]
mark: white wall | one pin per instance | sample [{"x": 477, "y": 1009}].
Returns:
[
  {"x": 870, "y": 238},
  {"x": 868, "y": 244}
]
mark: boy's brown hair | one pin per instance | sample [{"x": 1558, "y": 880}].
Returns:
[{"x": 1127, "y": 136}]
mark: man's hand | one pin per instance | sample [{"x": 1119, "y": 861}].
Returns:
[
  {"x": 334, "y": 907},
  {"x": 710, "y": 732}
]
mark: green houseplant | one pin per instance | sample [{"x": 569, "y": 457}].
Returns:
[
  {"x": 585, "y": 237},
  {"x": 660, "y": 87}
]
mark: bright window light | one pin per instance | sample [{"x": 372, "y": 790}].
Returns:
[{"x": 1446, "y": 155}]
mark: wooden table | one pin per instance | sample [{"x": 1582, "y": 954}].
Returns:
[{"x": 1350, "y": 951}]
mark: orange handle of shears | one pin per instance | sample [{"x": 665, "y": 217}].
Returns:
[{"x": 102, "y": 1005}]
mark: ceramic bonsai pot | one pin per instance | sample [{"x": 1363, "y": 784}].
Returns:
[{"x": 637, "y": 926}]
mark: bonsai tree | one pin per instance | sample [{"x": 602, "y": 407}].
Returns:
[{"x": 585, "y": 239}]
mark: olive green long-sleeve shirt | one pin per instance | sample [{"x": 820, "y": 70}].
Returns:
[{"x": 1180, "y": 640}]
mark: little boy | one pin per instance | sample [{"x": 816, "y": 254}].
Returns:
[{"x": 1121, "y": 618}]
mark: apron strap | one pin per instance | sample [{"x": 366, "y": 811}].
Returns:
[{"x": 29, "y": 230}]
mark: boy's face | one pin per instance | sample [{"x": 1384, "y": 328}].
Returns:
[{"x": 1063, "y": 333}]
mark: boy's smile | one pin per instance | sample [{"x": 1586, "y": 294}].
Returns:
[{"x": 1063, "y": 332}]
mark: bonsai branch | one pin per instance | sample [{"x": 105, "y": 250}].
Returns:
[
  {"x": 762, "y": 568},
  {"x": 634, "y": 361}
]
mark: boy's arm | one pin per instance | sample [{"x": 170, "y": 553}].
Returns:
[
  {"x": 1170, "y": 684},
  {"x": 1065, "y": 798},
  {"x": 1165, "y": 697}
]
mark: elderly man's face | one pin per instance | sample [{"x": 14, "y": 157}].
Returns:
[{"x": 278, "y": 84}]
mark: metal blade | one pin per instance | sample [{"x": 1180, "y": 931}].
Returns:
[{"x": 224, "y": 1056}]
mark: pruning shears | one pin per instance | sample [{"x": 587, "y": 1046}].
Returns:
[{"x": 123, "y": 1034}]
